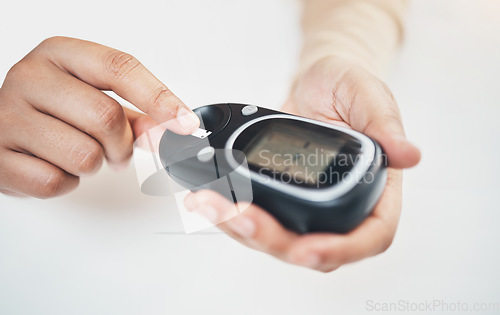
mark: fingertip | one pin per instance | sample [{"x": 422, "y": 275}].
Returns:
[
  {"x": 185, "y": 123},
  {"x": 143, "y": 124},
  {"x": 243, "y": 225},
  {"x": 187, "y": 120},
  {"x": 402, "y": 154},
  {"x": 304, "y": 257},
  {"x": 413, "y": 155},
  {"x": 190, "y": 201},
  {"x": 119, "y": 166},
  {"x": 205, "y": 197},
  {"x": 213, "y": 206},
  {"x": 398, "y": 151}
]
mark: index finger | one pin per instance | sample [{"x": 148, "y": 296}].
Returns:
[{"x": 110, "y": 69}]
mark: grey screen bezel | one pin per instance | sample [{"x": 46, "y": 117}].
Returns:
[{"x": 322, "y": 194}]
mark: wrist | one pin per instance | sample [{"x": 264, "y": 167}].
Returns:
[{"x": 338, "y": 62}]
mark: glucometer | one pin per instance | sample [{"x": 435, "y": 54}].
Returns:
[{"x": 310, "y": 175}]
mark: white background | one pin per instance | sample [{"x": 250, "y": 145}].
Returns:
[{"x": 98, "y": 250}]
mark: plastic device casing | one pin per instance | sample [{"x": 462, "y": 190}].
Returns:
[{"x": 297, "y": 212}]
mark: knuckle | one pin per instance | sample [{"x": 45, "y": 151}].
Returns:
[
  {"x": 120, "y": 64},
  {"x": 48, "y": 44},
  {"x": 19, "y": 72},
  {"x": 90, "y": 159},
  {"x": 51, "y": 41},
  {"x": 52, "y": 185},
  {"x": 110, "y": 115}
]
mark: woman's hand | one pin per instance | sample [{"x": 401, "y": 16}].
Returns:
[
  {"x": 56, "y": 124},
  {"x": 346, "y": 95}
]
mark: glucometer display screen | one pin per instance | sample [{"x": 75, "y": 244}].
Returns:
[
  {"x": 288, "y": 150},
  {"x": 299, "y": 153}
]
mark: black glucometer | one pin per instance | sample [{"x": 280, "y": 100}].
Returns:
[{"x": 310, "y": 175}]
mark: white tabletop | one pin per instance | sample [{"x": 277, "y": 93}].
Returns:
[{"x": 108, "y": 249}]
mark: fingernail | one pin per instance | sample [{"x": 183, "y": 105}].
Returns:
[
  {"x": 187, "y": 119},
  {"x": 311, "y": 261},
  {"x": 243, "y": 226},
  {"x": 118, "y": 167},
  {"x": 209, "y": 212}
]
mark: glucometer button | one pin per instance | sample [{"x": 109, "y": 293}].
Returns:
[
  {"x": 205, "y": 154},
  {"x": 249, "y": 110}
]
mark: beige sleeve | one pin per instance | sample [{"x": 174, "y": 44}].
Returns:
[{"x": 365, "y": 32}]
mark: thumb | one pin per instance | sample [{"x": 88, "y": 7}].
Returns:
[
  {"x": 374, "y": 112},
  {"x": 142, "y": 124},
  {"x": 388, "y": 132},
  {"x": 139, "y": 122}
]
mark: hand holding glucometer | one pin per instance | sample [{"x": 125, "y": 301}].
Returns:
[{"x": 336, "y": 93}]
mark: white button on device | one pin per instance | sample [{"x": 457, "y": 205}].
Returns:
[
  {"x": 205, "y": 154},
  {"x": 249, "y": 110}
]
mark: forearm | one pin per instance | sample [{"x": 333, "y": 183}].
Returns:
[{"x": 365, "y": 32}]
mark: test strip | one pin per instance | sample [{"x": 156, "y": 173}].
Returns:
[{"x": 201, "y": 133}]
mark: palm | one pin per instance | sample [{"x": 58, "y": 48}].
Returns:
[{"x": 313, "y": 97}]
